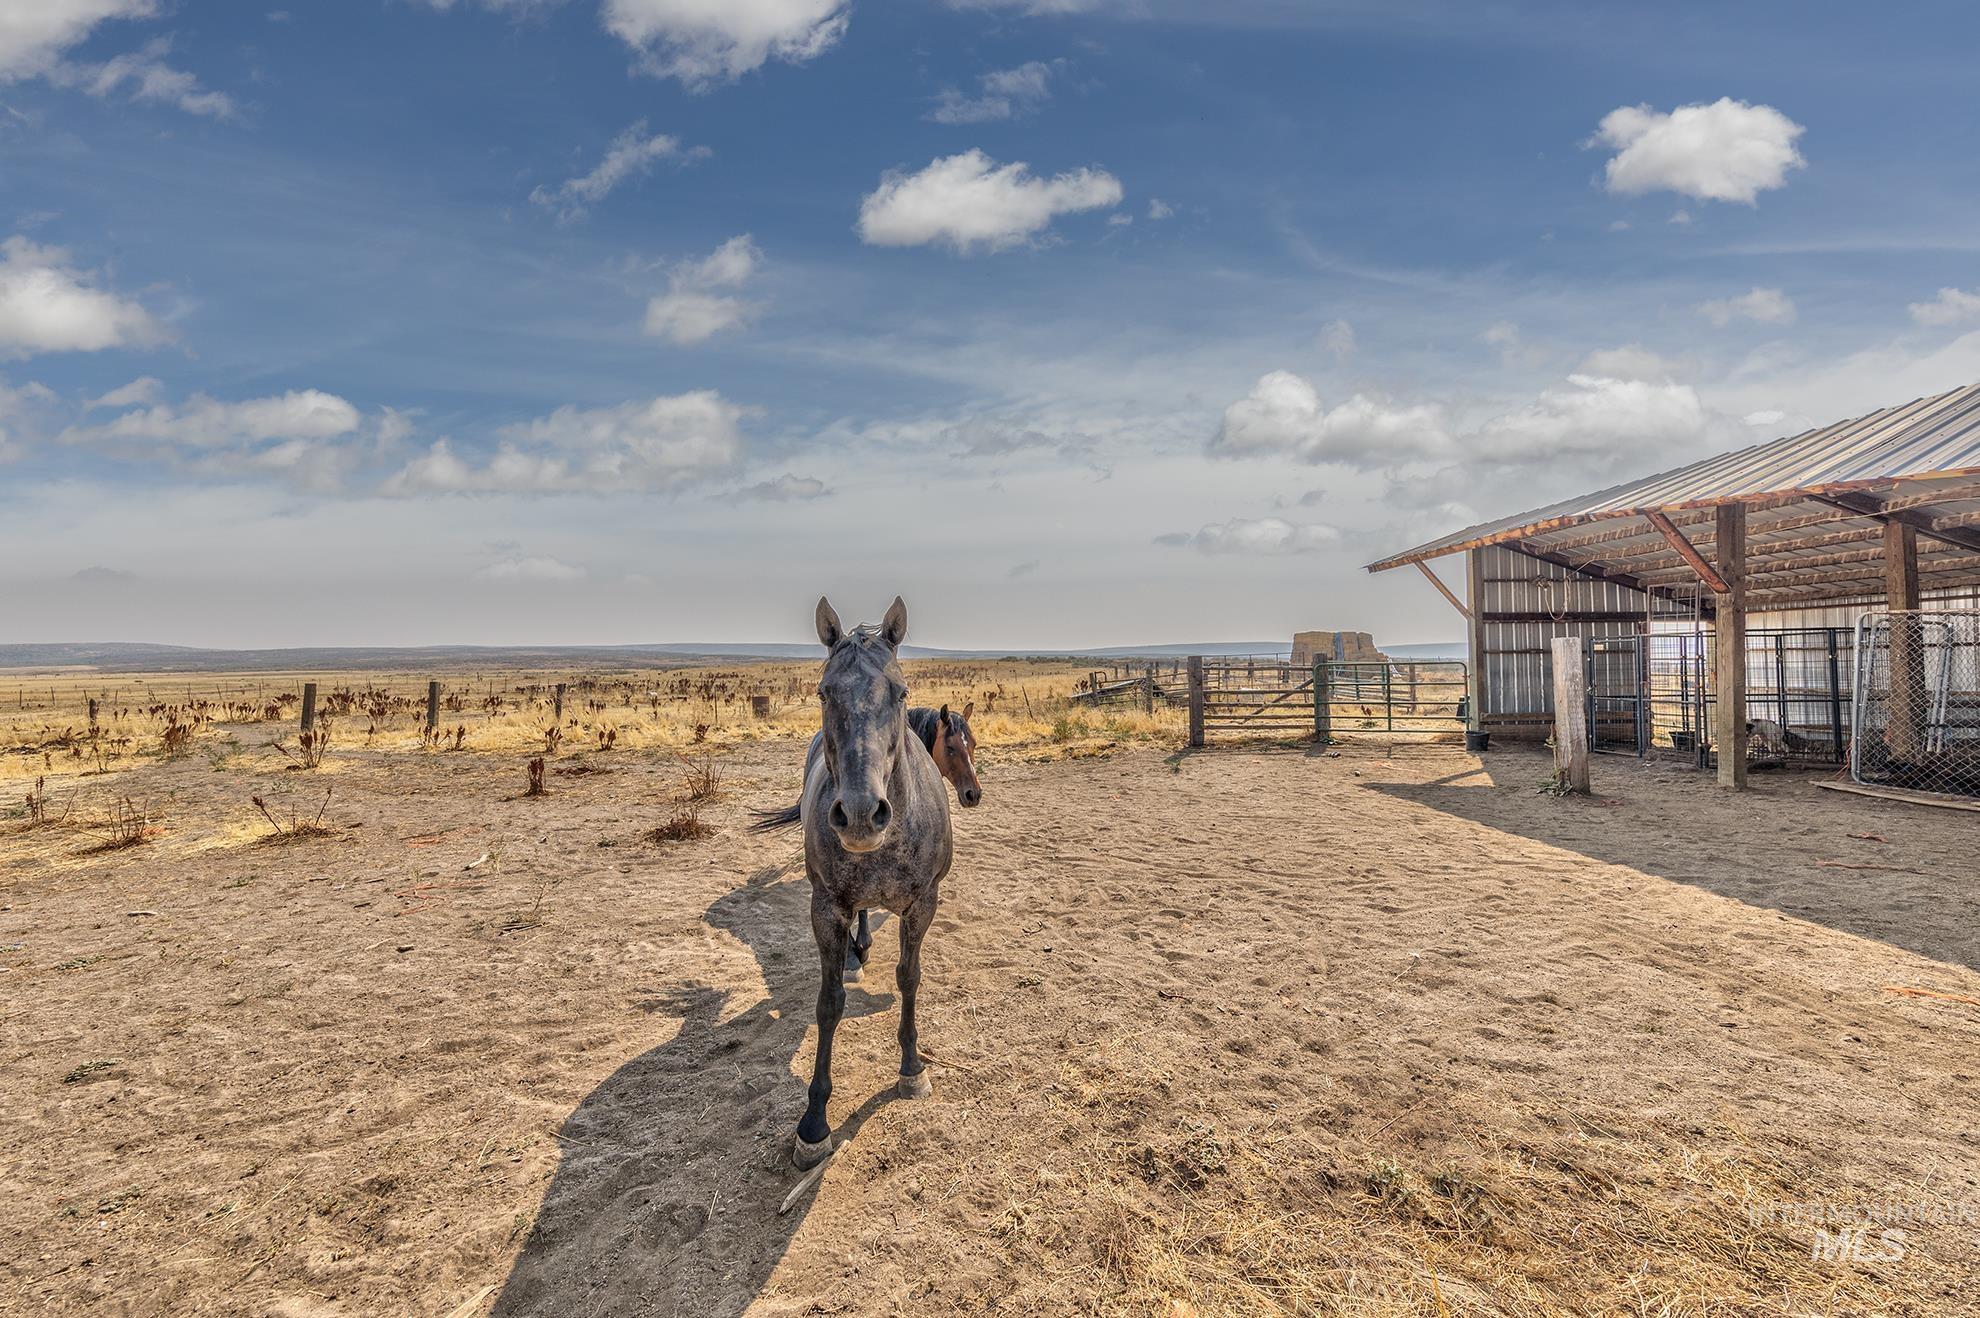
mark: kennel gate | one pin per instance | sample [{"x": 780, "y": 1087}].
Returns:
[{"x": 1915, "y": 718}]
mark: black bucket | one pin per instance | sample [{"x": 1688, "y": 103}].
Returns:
[{"x": 1476, "y": 740}]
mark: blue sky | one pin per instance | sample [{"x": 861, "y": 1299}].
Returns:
[{"x": 1077, "y": 322}]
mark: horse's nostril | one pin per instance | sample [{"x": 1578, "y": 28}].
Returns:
[
  {"x": 839, "y": 819},
  {"x": 971, "y": 797},
  {"x": 882, "y": 812}
]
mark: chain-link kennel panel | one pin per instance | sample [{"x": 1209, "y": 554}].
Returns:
[{"x": 1916, "y": 714}]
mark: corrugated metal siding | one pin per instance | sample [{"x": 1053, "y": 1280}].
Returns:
[{"x": 1517, "y": 672}]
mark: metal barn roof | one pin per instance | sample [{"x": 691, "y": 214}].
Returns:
[{"x": 1816, "y": 504}]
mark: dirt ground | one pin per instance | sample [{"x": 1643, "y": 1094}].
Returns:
[{"x": 1243, "y": 1031}]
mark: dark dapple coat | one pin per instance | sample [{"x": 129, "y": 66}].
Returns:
[{"x": 876, "y": 834}]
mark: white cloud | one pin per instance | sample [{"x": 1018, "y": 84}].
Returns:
[
  {"x": 1950, "y": 307},
  {"x": 530, "y": 569},
  {"x": 145, "y": 76},
  {"x": 1002, "y": 94},
  {"x": 1159, "y": 209},
  {"x": 1265, "y": 535},
  {"x": 205, "y": 422},
  {"x": 641, "y": 446},
  {"x": 1769, "y": 306},
  {"x": 783, "y": 489},
  {"x": 47, "y": 305},
  {"x": 1610, "y": 422},
  {"x": 1337, "y": 337},
  {"x": 692, "y": 309},
  {"x": 144, "y": 389},
  {"x": 632, "y": 154},
  {"x": 1632, "y": 361},
  {"x": 34, "y": 33},
  {"x": 305, "y": 438},
  {"x": 14, "y": 403},
  {"x": 1513, "y": 348},
  {"x": 1283, "y": 414},
  {"x": 702, "y": 42},
  {"x": 969, "y": 201},
  {"x": 1725, "y": 151}
]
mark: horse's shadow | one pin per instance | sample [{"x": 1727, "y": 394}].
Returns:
[{"x": 674, "y": 1168}]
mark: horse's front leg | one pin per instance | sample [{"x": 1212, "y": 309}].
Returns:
[
  {"x": 907, "y": 976},
  {"x": 857, "y": 948},
  {"x": 814, "y": 1132}
]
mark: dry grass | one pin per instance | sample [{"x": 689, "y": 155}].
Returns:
[
  {"x": 125, "y": 824},
  {"x": 1483, "y": 1208},
  {"x": 704, "y": 778},
  {"x": 1021, "y": 705},
  {"x": 685, "y": 826},
  {"x": 299, "y": 827}
]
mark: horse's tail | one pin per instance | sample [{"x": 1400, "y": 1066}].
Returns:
[{"x": 769, "y": 821}]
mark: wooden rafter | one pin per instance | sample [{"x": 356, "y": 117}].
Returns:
[
  {"x": 1871, "y": 576},
  {"x": 1868, "y": 506},
  {"x": 1706, "y": 572},
  {"x": 1925, "y": 498}
]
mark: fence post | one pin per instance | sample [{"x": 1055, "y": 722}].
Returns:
[
  {"x": 559, "y": 709},
  {"x": 1196, "y": 700},
  {"x": 433, "y": 705},
  {"x": 309, "y": 707},
  {"x": 1835, "y": 702},
  {"x": 1570, "y": 716},
  {"x": 1323, "y": 701}
]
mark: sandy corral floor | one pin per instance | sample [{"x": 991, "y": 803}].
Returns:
[{"x": 1266, "y": 1031}]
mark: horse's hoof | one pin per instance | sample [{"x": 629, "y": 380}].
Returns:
[
  {"x": 807, "y": 1156},
  {"x": 852, "y": 974},
  {"x": 914, "y": 1086}
]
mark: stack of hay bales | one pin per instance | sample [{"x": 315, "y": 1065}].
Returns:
[{"x": 1340, "y": 647}]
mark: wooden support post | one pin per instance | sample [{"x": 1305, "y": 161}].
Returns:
[
  {"x": 1148, "y": 691},
  {"x": 559, "y": 707},
  {"x": 309, "y": 707},
  {"x": 433, "y": 706},
  {"x": 1570, "y": 716},
  {"x": 1196, "y": 700},
  {"x": 1729, "y": 734},
  {"x": 1323, "y": 701},
  {"x": 1904, "y": 733}
]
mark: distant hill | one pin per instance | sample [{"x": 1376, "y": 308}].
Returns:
[{"x": 142, "y": 657}]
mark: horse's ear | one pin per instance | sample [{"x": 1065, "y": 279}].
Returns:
[
  {"x": 829, "y": 630},
  {"x": 893, "y": 627},
  {"x": 968, "y": 709},
  {"x": 942, "y": 719}
]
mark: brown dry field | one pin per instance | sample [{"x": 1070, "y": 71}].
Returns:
[{"x": 1252, "y": 1030}]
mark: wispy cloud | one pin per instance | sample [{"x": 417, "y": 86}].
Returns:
[{"x": 631, "y": 155}]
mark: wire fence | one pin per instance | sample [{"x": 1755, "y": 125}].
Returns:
[{"x": 1915, "y": 717}]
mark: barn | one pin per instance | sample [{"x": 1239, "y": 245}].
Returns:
[{"x": 1812, "y": 598}]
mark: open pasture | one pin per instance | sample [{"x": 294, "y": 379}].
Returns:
[{"x": 1251, "y": 1030}]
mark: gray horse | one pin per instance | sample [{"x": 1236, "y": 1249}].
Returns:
[
  {"x": 876, "y": 833},
  {"x": 947, "y": 735}
]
